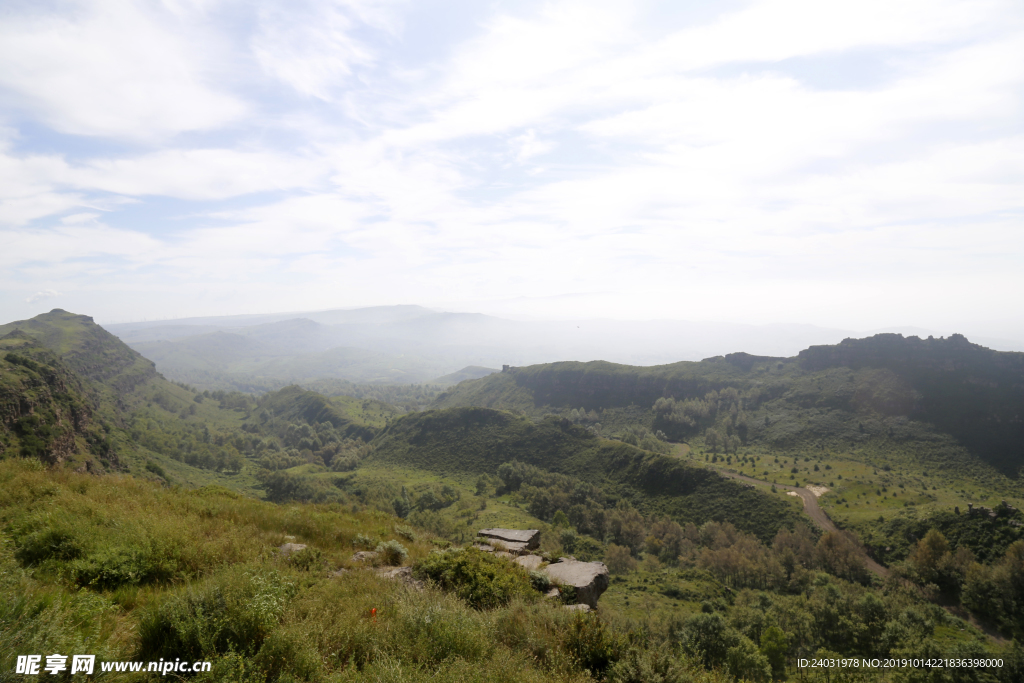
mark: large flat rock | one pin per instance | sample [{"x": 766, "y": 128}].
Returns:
[
  {"x": 590, "y": 579},
  {"x": 521, "y": 539}
]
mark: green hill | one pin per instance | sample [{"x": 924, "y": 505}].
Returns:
[
  {"x": 940, "y": 394},
  {"x": 355, "y": 418},
  {"x": 479, "y": 440},
  {"x": 87, "y": 349},
  {"x": 45, "y": 409}
]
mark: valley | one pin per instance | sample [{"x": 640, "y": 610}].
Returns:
[{"x": 678, "y": 477}]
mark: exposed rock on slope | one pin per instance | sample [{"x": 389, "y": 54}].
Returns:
[
  {"x": 44, "y": 410},
  {"x": 588, "y": 579}
]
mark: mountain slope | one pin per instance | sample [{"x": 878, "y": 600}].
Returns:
[
  {"x": 887, "y": 389},
  {"x": 354, "y": 418},
  {"x": 87, "y": 349},
  {"x": 479, "y": 440},
  {"x": 45, "y": 411}
]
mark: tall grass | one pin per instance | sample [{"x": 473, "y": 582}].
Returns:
[{"x": 127, "y": 570}]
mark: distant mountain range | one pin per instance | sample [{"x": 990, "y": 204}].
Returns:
[{"x": 413, "y": 344}]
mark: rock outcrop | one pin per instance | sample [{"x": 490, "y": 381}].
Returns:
[
  {"x": 588, "y": 579},
  {"x": 403, "y": 574},
  {"x": 364, "y": 556},
  {"x": 289, "y": 548},
  {"x": 513, "y": 540}
]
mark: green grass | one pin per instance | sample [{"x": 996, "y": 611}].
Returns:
[{"x": 224, "y": 593}]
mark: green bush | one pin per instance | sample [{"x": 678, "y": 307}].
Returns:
[
  {"x": 363, "y": 541},
  {"x": 646, "y": 665},
  {"x": 591, "y": 644},
  {"x": 391, "y": 553},
  {"x": 234, "y": 612},
  {"x": 540, "y": 581},
  {"x": 479, "y": 578},
  {"x": 306, "y": 559}
]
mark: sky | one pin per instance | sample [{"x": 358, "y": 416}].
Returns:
[{"x": 845, "y": 164}]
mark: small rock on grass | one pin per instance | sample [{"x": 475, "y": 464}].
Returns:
[
  {"x": 364, "y": 556},
  {"x": 403, "y": 574}
]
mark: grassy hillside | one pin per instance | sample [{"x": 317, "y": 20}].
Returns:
[
  {"x": 87, "y": 348},
  {"x": 479, "y": 440},
  {"x": 128, "y": 570},
  {"x": 46, "y": 411}
]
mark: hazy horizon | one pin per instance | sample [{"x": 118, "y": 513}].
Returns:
[{"x": 851, "y": 165}]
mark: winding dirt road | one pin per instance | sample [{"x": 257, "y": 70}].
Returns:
[{"x": 812, "y": 509}]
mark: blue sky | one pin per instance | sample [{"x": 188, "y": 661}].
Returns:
[{"x": 848, "y": 164}]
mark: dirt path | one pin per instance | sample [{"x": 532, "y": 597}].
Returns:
[
  {"x": 819, "y": 517},
  {"x": 813, "y": 511}
]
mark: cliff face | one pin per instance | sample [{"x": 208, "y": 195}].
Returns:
[
  {"x": 966, "y": 390},
  {"x": 44, "y": 409},
  {"x": 954, "y": 354}
]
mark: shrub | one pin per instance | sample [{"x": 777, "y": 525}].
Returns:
[
  {"x": 479, "y": 578},
  {"x": 591, "y": 645},
  {"x": 641, "y": 665},
  {"x": 540, "y": 581},
  {"x": 391, "y": 552},
  {"x": 233, "y": 613},
  {"x": 363, "y": 541},
  {"x": 306, "y": 559},
  {"x": 406, "y": 532}
]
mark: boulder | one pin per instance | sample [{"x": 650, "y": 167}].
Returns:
[
  {"x": 589, "y": 579},
  {"x": 529, "y": 562},
  {"x": 553, "y": 593},
  {"x": 289, "y": 548},
  {"x": 514, "y": 540},
  {"x": 364, "y": 556},
  {"x": 403, "y": 574}
]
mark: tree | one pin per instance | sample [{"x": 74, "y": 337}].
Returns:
[
  {"x": 774, "y": 646},
  {"x": 619, "y": 559},
  {"x": 744, "y": 661},
  {"x": 711, "y": 440},
  {"x": 927, "y": 553},
  {"x": 839, "y": 553},
  {"x": 402, "y": 505}
]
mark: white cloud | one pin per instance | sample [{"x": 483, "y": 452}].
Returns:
[
  {"x": 685, "y": 166},
  {"x": 112, "y": 69},
  {"x": 309, "y": 46},
  {"x": 41, "y": 296},
  {"x": 198, "y": 173}
]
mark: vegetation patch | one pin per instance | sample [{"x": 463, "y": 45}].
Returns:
[{"x": 481, "y": 579}]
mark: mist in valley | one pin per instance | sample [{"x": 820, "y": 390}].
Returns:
[{"x": 414, "y": 344}]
